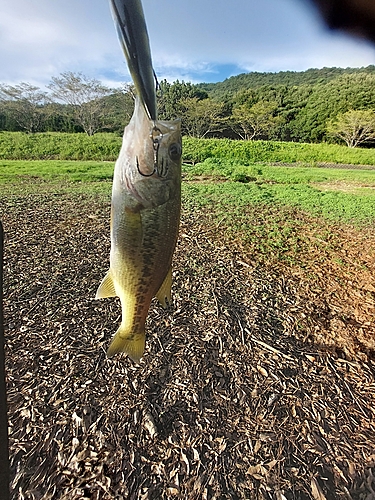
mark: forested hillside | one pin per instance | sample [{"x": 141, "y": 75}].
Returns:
[
  {"x": 301, "y": 106},
  {"x": 254, "y": 79},
  {"x": 317, "y": 105}
]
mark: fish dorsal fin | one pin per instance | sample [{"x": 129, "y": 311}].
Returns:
[
  {"x": 106, "y": 287},
  {"x": 164, "y": 293}
]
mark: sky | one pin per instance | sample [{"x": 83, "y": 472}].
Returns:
[{"x": 191, "y": 40}]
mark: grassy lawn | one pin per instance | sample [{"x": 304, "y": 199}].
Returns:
[
  {"x": 345, "y": 195},
  {"x": 273, "y": 210},
  {"x": 14, "y": 171},
  {"x": 342, "y": 195}
]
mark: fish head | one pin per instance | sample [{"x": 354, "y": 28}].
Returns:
[{"x": 148, "y": 170}]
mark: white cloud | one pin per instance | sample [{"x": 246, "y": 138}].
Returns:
[{"x": 42, "y": 38}]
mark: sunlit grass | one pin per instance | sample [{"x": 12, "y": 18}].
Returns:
[
  {"x": 221, "y": 185},
  {"x": 297, "y": 187},
  {"x": 15, "y": 171}
]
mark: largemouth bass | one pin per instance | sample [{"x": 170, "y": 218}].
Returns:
[{"x": 146, "y": 195}]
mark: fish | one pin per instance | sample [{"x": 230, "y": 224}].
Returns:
[{"x": 146, "y": 195}]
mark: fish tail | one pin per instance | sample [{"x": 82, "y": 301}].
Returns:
[{"x": 132, "y": 344}]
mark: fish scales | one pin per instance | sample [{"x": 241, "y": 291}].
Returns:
[{"x": 145, "y": 214}]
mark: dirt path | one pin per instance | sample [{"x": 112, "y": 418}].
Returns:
[
  {"x": 259, "y": 384},
  {"x": 345, "y": 166}
]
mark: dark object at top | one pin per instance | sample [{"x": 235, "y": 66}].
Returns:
[{"x": 355, "y": 16}]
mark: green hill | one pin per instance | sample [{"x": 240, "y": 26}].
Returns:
[{"x": 309, "y": 77}]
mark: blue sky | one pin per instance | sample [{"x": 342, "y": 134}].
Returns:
[{"x": 191, "y": 40}]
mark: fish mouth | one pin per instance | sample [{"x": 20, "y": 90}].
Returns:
[{"x": 131, "y": 28}]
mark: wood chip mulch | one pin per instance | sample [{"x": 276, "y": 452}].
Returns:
[{"x": 257, "y": 384}]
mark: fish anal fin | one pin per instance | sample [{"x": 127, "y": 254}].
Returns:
[
  {"x": 106, "y": 287},
  {"x": 164, "y": 293},
  {"x": 131, "y": 344}
]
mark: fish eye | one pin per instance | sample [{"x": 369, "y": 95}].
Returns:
[{"x": 175, "y": 151}]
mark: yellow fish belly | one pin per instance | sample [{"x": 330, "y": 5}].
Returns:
[{"x": 140, "y": 269}]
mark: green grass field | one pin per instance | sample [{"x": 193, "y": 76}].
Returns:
[
  {"x": 266, "y": 207},
  {"x": 345, "y": 195},
  {"x": 14, "y": 171},
  {"x": 106, "y": 146},
  {"x": 230, "y": 173}
]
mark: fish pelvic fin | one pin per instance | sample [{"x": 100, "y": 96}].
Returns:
[
  {"x": 106, "y": 287},
  {"x": 164, "y": 293},
  {"x": 132, "y": 344}
]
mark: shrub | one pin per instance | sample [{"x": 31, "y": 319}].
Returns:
[
  {"x": 106, "y": 147},
  {"x": 58, "y": 146},
  {"x": 249, "y": 152}
]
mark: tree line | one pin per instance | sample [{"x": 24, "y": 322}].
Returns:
[{"x": 327, "y": 105}]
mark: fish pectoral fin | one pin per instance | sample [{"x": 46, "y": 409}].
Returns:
[
  {"x": 131, "y": 344},
  {"x": 164, "y": 293},
  {"x": 106, "y": 287}
]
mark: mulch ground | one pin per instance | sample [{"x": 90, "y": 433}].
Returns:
[{"x": 257, "y": 384}]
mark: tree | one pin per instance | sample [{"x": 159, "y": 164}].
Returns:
[
  {"x": 84, "y": 96},
  {"x": 355, "y": 127},
  {"x": 251, "y": 122},
  {"x": 327, "y": 99},
  {"x": 171, "y": 95},
  {"x": 59, "y": 117},
  {"x": 119, "y": 108},
  {"x": 201, "y": 117},
  {"x": 24, "y": 103}
]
